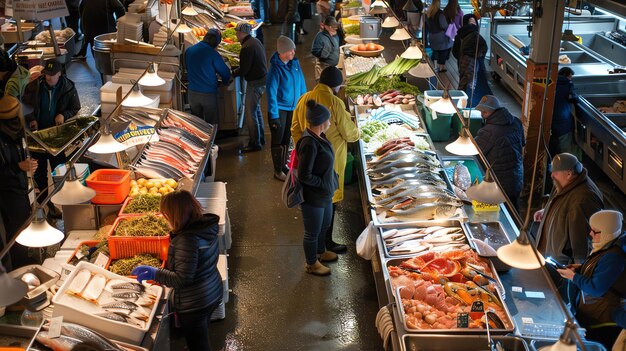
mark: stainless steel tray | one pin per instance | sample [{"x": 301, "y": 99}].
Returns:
[
  {"x": 415, "y": 342},
  {"x": 74, "y": 128},
  {"x": 443, "y": 223}
]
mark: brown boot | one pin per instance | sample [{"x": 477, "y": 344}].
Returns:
[
  {"x": 328, "y": 256},
  {"x": 317, "y": 269}
]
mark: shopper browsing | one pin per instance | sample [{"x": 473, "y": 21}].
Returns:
[
  {"x": 285, "y": 85},
  {"x": 601, "y": 279},
  {"x": 253, "y": 67},
  {"x": 562, "y": 128},
  {"x": 325, "y": 46},
  {"x": 204, "y": 64},
  {"x": 53, "y": 99},
  {"x": 437, "y": 25},
  {"x": 191, "y": 266},
  {"x": 342, "y": 131},
  {"x": 319, "y": 182}
]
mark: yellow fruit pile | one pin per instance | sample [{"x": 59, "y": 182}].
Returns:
[{"x": 152, "y": 186}]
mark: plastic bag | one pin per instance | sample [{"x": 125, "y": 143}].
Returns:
[{"x": 366, "y": 242}]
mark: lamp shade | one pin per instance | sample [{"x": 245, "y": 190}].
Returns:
[
  {"x": 72, "y": 193},
  {"x": 12, "y": 289},
  {"x": 39, "y": 233},
  {"x": 183, "y": 28},
  {"x": 412, "y": 52},
  {"x": 136, "y": 99},
  {"x": 462, "y": 146},
  {"x": 378, "y": 10},
  {"x": 559, "y": 346},
  {"x": 422, "y": 70},
  {"x": 107, "y": 145},
  {"x": 443, "y": 105},
  {"x": 520, "y": 255},
  {"x": 400, "y": 34},
  {"x": 151, "y": 78},
  {"x": 390, "y": 22},
  {"x": 189, "y": 10},
  {"x": 379, "y": 3},
  {"x": 486, "y": 191},
  {"x": 409, "y": 6},
  {"x": 568, "y": 35}
]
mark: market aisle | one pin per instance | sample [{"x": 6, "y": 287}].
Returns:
[{"x": 274, "y": 304}]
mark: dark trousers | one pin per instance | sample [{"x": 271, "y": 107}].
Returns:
[
  {"x": 14, "y": 210},
  {"x": 254, "y": 117},
  {"x": 195, "y": 327},
  {"x": 282, "y": 135},
  {"x": 316, "y": 221},
  {"x": 41, "y": 173},
  {"x": 329, "y": 232},
  {"x": 205, "y": 106},
  {"x": 72, "y": 19}
]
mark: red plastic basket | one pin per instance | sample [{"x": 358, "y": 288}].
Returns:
[
  {"x": 128, "y": 246},
  {"x": 122, "y": 214},
  {"x": 111, "y": 185}
]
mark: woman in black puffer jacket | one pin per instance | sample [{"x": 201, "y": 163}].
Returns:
[{"x": 191, "y": 266}]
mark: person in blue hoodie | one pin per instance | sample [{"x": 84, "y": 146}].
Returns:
[
  {"x": 285, "y": 85},
  {"x": 204, "y": 63},
  {"x": 562, "y": 129},
  {"x": 601, "y": 279}
]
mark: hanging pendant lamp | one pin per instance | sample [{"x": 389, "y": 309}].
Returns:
[
  {"x": 422, "y": 70},
  {"x": 73, "y": 191},
  {"x": 486, "y": 191},
  {"x": 39, "y": 233},
  {"x": 151, "y": 78},
  {"x": 390, "y": 22},
  {"x": 462, "y": 146},
  {"x": 520, "y": 254},
  {"x": 400, "y": 34}
]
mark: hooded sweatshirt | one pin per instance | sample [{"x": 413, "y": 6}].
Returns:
[
  {"x": 285, "y": 85},
  {"x": 562, "y": 119}
]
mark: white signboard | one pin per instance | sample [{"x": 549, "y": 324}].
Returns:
[{"x": 36, "y": 10}]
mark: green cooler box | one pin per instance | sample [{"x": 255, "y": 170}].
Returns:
[{"x": 475, "y": 122}]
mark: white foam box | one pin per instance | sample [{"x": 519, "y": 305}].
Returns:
[
  {"x": 222, "y": 267},
  {"x": 76, "y": 310},
  {"x": 75, "y": 237},
  {"x": 217, "y": 205}
]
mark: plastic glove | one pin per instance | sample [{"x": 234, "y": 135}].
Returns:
[
  {"x": 144, "y": 273},
  {"x": 274, "y": 124}
]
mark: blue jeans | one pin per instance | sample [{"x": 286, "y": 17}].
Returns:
[
  {"x": 316, "y": 222},
  {"x": 254, "y": 117}
]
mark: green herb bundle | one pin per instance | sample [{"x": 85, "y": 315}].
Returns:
[
  {"x": 125, "y": 266},
  {"x": 143, "y": 203},
  {"x": 149, "y": 225}
]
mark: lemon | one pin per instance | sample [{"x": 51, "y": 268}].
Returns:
[
  {"x": 158, "y": 184},
  {"x": 141, "y": 181},
  {"x": 143, "y": 190},
  {"x": 163, "y": 190},
  {"x": 149, "y": 184},
  {"x": 172, "y": 183},
  {"x": 133, "y": 182}
]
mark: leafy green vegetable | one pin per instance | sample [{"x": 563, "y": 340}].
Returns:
[
  {"x": 143, "y": 203},
  {"x": 235, "y": 48},
  {"x": 352, "y": 4},
  {"x": 125, "y": 266},
  {"x": 230, "y": 34},
  {"x": 149, "y": 225},
  {"x": 354, "y": 29}
]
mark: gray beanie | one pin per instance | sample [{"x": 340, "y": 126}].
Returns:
[
  {"x": 566, "y": 162},
  {"x": 316, "y": 114},
  {"x": 243, "y": 27},
  {"x": 284, "y": 44}
]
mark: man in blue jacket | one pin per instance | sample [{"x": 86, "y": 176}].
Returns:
[
  {"x": 325, "y": 46},
  {"x": 204, "y": 63},
  {"x": 562, "y": 129},
  {"x": 285, "y": 85}
]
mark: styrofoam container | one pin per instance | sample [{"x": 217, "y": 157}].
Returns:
[
  {"x": 76, "y": 310},
  {"x": 76, "y": 237},
  {"x": 222, "y": 267}
]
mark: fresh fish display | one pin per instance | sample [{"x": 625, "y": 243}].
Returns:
[
  {"x": 423, "y": 199},
  {"x": 392, "y": 180},
  {"x": 460, "y": 193},
  {"x": 395, "y": 145},
  {"x": 112, "y": 316},
  {"x": 62, "y": 343},
  {"x": 400, "y": 154},
  {"x": 118, "y": 285},
  {"x": 424, "y": 212},
  {"x": 462, "y": 178},
  {"x": 79, "y": 283},
  {"x": 125, "y": 296},
  {"x": 413, "y": 192},
  {"x": 410, "y": 160},
  {"x": 81, "y": 333},
  {"x": 404, "y": 173},
  {"x": 190, "y": 123},
  {"x": 175, "y": 131},
  {"x": 414, "y": 240},
  {"x": 94, "y": 288}
]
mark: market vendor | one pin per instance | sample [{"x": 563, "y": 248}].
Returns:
[
  {"x": 325, "y": 46},
  {"x": 13, "y": 77},
  {"x": 253, "y": 67},
  {"x": 203, "y": 64},
  {"x": 341, "y": 132},
  {"x": 14, "y": 204},
  {"x": 601, "y": 278},
  {"x": 53, "y": 99}
]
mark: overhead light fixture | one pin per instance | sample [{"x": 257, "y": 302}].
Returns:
[
  {"x": 412, "y": 52},
  {"x": 379, "y": 3},
  {"x": 107, "y": 145},
  {"x": 422, "y": 70},
  {"x": 182, "y": 27},
  {"x": 390, "y": 22},
  {"x": 189, "y": 10},
  {"x": 73, "y": 191},
  {"x": 12, "y": 289},
  {"x": 462, "y": 146},
  {"x": 400, "y": 34},
  {"x": 136, "y": 98},
  {"x": 443, "y": 105},
  {"x": 151, "y": 78},
  {"x": 568, "y": 35},
  {"x": 486, "y": 191},
  {"x": 520, "y": 253},
  {"x": 39, "y": 233},
  {"x": 378, "y": 10},
  {"x": 409, "y": 6},
  {"x": 566, "y": 341}
]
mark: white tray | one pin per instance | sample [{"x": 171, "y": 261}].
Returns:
[{"x": 77, "y": 310}]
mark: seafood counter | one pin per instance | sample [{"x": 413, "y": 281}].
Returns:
[{"x": 436, "y": 267}]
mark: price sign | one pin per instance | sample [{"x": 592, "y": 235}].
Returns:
[
  {"x": 36, "y": 10},
  {"x": 462, "y": 320},
  {"x": 101, "y": 260},
  {"x": 54, "y": 331}
]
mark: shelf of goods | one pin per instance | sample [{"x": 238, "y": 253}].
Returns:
[
  {"x": 436, "y": 252},
  {"x": 593, "y": 59}
]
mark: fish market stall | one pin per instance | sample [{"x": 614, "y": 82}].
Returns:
[{"x": 597, "y": 60}]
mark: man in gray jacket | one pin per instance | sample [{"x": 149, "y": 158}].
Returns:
[{"x": 326, "y": 46}]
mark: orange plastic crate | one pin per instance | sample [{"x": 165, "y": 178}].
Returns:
[
  {"x": 122, "y": 214},
  {"x": 111, "y": 185},
  {"x": 128, "y": 246}
]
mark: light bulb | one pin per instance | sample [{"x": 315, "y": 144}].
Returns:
[
  {"x": 183, "y": 28},
  {"x": 151, "y": 78},
  {"x": 39, "y": 233}
]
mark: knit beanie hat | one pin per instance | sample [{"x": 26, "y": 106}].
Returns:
[
  {"x": 467, "y": 17},
  {"x": 331, "y": 76},
  {"x": 243, "y": 27},
  {"x": 284, "y": 44},
  {"x": 212, "y": 37},
  {"x": 608, "y": 224},
  {"x": 566, "y": 162},
  {"x": 9, "y": 107},
  {"x": 316, "y": 114}
]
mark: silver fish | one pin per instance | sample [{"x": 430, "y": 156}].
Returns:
[
  {"x": 462, "y": 177},
  {"x": 406, "y": 161},
  {"x": 419, "y": 173},
  {"x": 424, "y": 212},
  {"x": 414, "y": 192},
  {"x": 120, "y": 305},
  {"x": 62, "y": 343},
  {"x": 399, "y": 154},
  {"x": 399, "y": 239},
  {"x": 126, "y": 285},
  {"x": 81, "y": 333},
  {"x": 411, "y": 183},
  {"x": 424, "y": 198},
  {"x": 399, "y": 177},
  {"x": 126, "y": 295},
  {"x": 112, "y": 316}
]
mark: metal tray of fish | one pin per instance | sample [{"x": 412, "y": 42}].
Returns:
[
  {"x": 449, "y": 342},
  {"x": 406, "y": 241},
  {"x": 362, "y": 114},
  {"x": 55, "y": 140},
  {"x": 87, "y": 297},
  {"x": 16, "y": 335}
]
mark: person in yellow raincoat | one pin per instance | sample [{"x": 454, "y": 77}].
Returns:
[{"x": 342, "y": 131}]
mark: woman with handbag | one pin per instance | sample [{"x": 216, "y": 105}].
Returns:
[
  {"x": 319, "y": 182},
  {"x": 437, "y": 26},
  {"x": 191, "y": 266}
]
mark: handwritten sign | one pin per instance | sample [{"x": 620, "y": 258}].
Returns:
[{"x": 36, "y": 10}]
